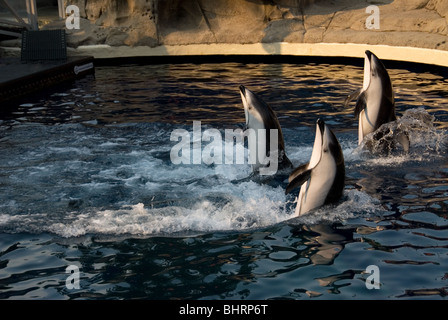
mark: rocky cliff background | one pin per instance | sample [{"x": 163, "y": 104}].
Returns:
[{"x": 419, "y": 23}]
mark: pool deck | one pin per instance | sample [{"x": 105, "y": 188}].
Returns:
[{"x": 19, "y": 79}]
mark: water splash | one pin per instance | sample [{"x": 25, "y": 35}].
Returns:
[
  {"x": 212, "y": 213},
  {"x": 354, "y": 203},
  {"x": 418, "y": 126}
]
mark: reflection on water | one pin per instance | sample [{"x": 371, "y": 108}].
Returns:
[
  {"x": 86, "y": 180},
  {"x": 185, "y": 92}
]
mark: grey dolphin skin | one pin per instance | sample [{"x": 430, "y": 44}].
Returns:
[
  {"x": 375, "y": 103},
  {"x": 259, "y": 115},
  {"x": 322, "y": 179}
]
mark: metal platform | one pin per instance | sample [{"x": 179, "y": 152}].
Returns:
[
  {"x": 18, "y": 21},
  {"x": 18, "y": 79},
  {"x": 15, "y": 21},
  {"x": 46, "y": 45},
  {"x": 43, "y": 62}
]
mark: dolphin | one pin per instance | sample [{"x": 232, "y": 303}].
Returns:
[
  {"x": 375, "y": 103},
  {"x": 261, "y": 119},
  {"x": 322, "y": 179}
]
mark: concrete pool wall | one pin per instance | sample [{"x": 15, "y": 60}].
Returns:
[{"x": 349, "y": 50}]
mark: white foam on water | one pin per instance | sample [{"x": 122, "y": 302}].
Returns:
[
  {"x": 232, "y": 214},
  {"x": 248, "y": 206},
  {"x": 160, "y": 198},
  {"x": 424, "y": 138},
  {"x": 256, "y": 206},
  {"x": 354, "y": 203}
]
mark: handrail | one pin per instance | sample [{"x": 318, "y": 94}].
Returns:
[
  {"x": 16, "y": 15},
  {"x": 31, "y": 10}
]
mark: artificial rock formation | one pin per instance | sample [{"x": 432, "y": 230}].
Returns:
[{"x": 418, "y": 23}]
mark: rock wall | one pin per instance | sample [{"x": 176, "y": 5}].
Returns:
[{"x": 419, "y": 23}]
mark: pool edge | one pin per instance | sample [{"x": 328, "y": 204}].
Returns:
[{"x": 348, "y": 50}]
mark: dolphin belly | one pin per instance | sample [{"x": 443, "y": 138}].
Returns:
[
  {"x": 257, "y": 150},
  {"x": 257, "y": 144},
  {"x": 365, "y": 126},
  {"x": 314, "y": 192},
  {"x": 368, "y": 123}
]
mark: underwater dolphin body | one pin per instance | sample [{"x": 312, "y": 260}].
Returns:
[
  {"x": 375, "y": 104},
  {"x": 259, "y": 115},
  {"x": 322, "y": 179}
]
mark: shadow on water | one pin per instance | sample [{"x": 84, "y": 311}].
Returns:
[{"x": 218, "y": 266}]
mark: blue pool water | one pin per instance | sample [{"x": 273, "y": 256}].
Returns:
[{"x": 86, "y": 180}]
